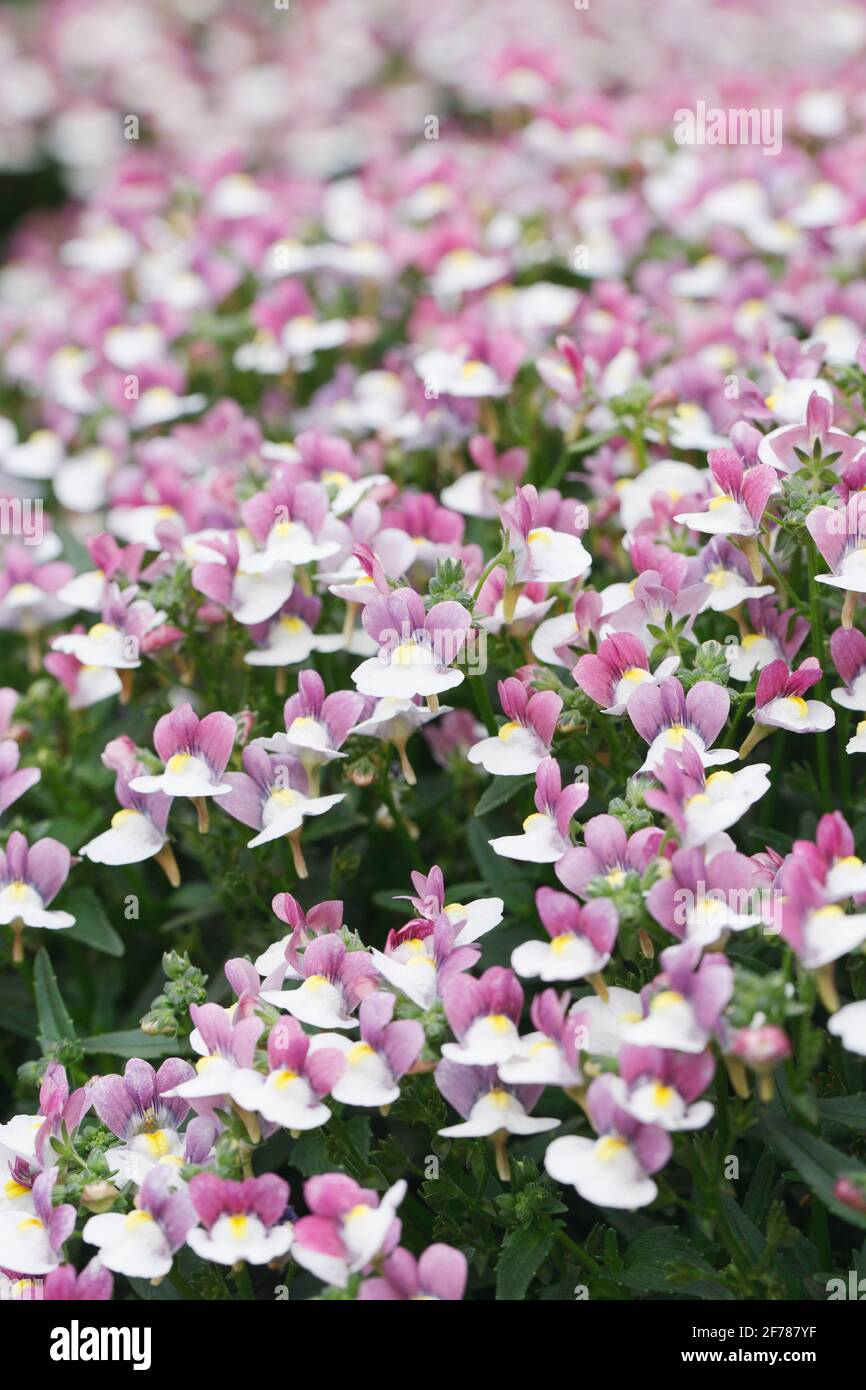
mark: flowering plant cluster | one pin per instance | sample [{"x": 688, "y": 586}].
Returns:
[{"x": 433, "y": 498}]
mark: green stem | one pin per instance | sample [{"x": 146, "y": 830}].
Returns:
[
  {"x": 244, "y": 1284},
  {"x": 782, "y": 581},
  {"x": 482, "y": 703}
]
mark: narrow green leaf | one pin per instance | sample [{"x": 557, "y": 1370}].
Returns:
[
  {"x": 131, "y": 1043},
  {"x": 55, "y": 1023},
  {"x": 523, "y": 1252},
  {"x": 92, "y": 927}
]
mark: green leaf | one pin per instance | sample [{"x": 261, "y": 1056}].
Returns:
[
  {"x": 523, "y": 1251},
  {"x": 501, "y": 789},
  {"x": 55, "y": 1023},
  {"x": 131, "y": 1043},
  {"x": 848, "y": 1111},
  {"x": 818, "y": 1164},
  {"x": 92, "y": 927}
]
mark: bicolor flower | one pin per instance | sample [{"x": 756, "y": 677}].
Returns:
[
  {"x": 780, "y": 703},
  {"x": 683, "y": 1005},
  {"x": 291, "y": 525},
  {"x": 334, "y": 983},
  {"x": 728, "y": 575},
  {"x": 137, "y": 1108},
  {"x": 833, "y": 858},
  {"x": 226, "y": 1044},
  {"x": 819, "y": 931},
  {"x": 374, "y": 1066},
  {"x": 272, "y": 797},
  {"x": 474, "y": 493},
  {"x": 65, "y": 1284},
  {"x": 848, "y": 650},
  {"x": 298, "y": 1078},
  {"x": 138, "y": 829},
  {"x": 90, "y": 589},
  {"x": 607, "y": 853},
  {"x": 791, "y": 445},
  {"x": 470, "y": 920},
  {"x": 250, "y": 597},
  {"x": 704, "y": 898},
  {"x": 305, "y": 927},
  {"x": 661, "y": 1087},
  {"x": 129, "y": 628},
  {"x": 437, "y": 1276},
  {"x": 612, "y": 675},
  {"x": 531, "y": 605},
  {"x": 581, "y": 939},
  {"x": 32, "y": 1243},
  {"x": 490, "y": 1107},
  {"x": 420, "y": 957},
  {"x": 776, "y": 635},
  {"x": 540, "y": 554},
  {"x": 27, "y": 1137},
  {"x": 483, "y": 1015},
  {"x": 347, "y": 1228},
  {"x": 743, "y": 494},
  {"x": 546, "y": 833},
  {"x": 195, "y": 753},
  {"x": 523, "y": 741},
  {"x": 615, "y": 1169},
  {"x": 84, "y": 685},
  {"x": 142, "y": 1244},
  {"x": 241, "y": 1221},
  {"x": 316, "y": 725},
  {"x": 667, "y": 719},
  {"x": 30, "y": 878},
  {"x": 701, "y": 805},
  {"x": 840, "y": 535},
  {"x": 14, "y": 780},
  {"x": 549, "y": 1056},
  {"x": 416, "y": 649}
]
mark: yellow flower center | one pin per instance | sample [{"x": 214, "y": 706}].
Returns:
[
  {"x": 137, "y": 1218},
  {"x": 359, "y": 1053},
  {"x": 668, "y": 999},
  {"x": 610, "y": 1147}
]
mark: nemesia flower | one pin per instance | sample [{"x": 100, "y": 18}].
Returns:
[
  {"x": 348, "y": 1227},
  {"x": 849, "y": 1024},
  {"x": 416, "y": 649},
  {"x": 272, "y": 796},
  {"x": 134, "y": 1108},
  {"x": 32, "y": 1244},
  {"x": 251, "y": 597},
  {"x": 395, "y": 721},
  {"x": 840, "y": 535},
  {"x": 819, "y": 931},
  {"x": 374, "y": 1066},
  {"x": 334, "y": 983},
  {"x": 776, "y": 636},
  {"x": 30, "y": 877},
  {"x": 195, "y": 753},
  {"x": 523, "y": 741},
  {"x": 682, "y": 1006},
  {"x": 306, "y": 926},
  {"x": 581, "y": 939},
  {"x": 743, "y": 495},
  {"x": 661, "y": 1087},
  {"x": 27, "y": 1137},
  {"x": 786, "y": 447},
  {"x": 700, "y": 805},
  {"x": 226, "y": 1045},
  {"x": 90, "y": 589},
  {"x": 541, "y": 553},
  {"x": 84, "y": 685},
  {"x": 550, "y": 1056},
  {"x": 316, "y": 724},
  {"x": 470, "y": 920},
  {"x": 138, "y": 829},
  {"x": 483, "y": 1014},
  {"x": 298, "y": 1078},
  {"x": 848, "y": 651},
  {"x": 832, "y": 858},
  {"x": 729, "y": 575},
  {"x": 93, "y": 1284},
  {"x": 240, "y": 1220},
  {"x": 705, "y": 896},
  {"x": 474, "y": 493},
  {"x": 612, "y": 674},
  {"x": 613, "y": 1170},
  {"x": 607, "y": 853},
  {"x": 142, "y": 1244},
  {"x": 666, "y": 718},
  {"x": 439, "y": 1275},
  {"x": 780, "y": 703},
  {"x": 14, "y": 781},
  {"x": 420, "y": 957},
  {"x": 129, "y": 628},
  {"x": 545, "y": 837},
  {"x": 488, "y": 1105}
]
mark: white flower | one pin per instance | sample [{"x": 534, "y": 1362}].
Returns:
[
  {"x": 133, "y": 837},
  {"x": 134, "y": 1245},
  {"x": 849, "y": 1024},
  {"x": 605, "y": 1171},
  {"x": 495, "y": 1111}
]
